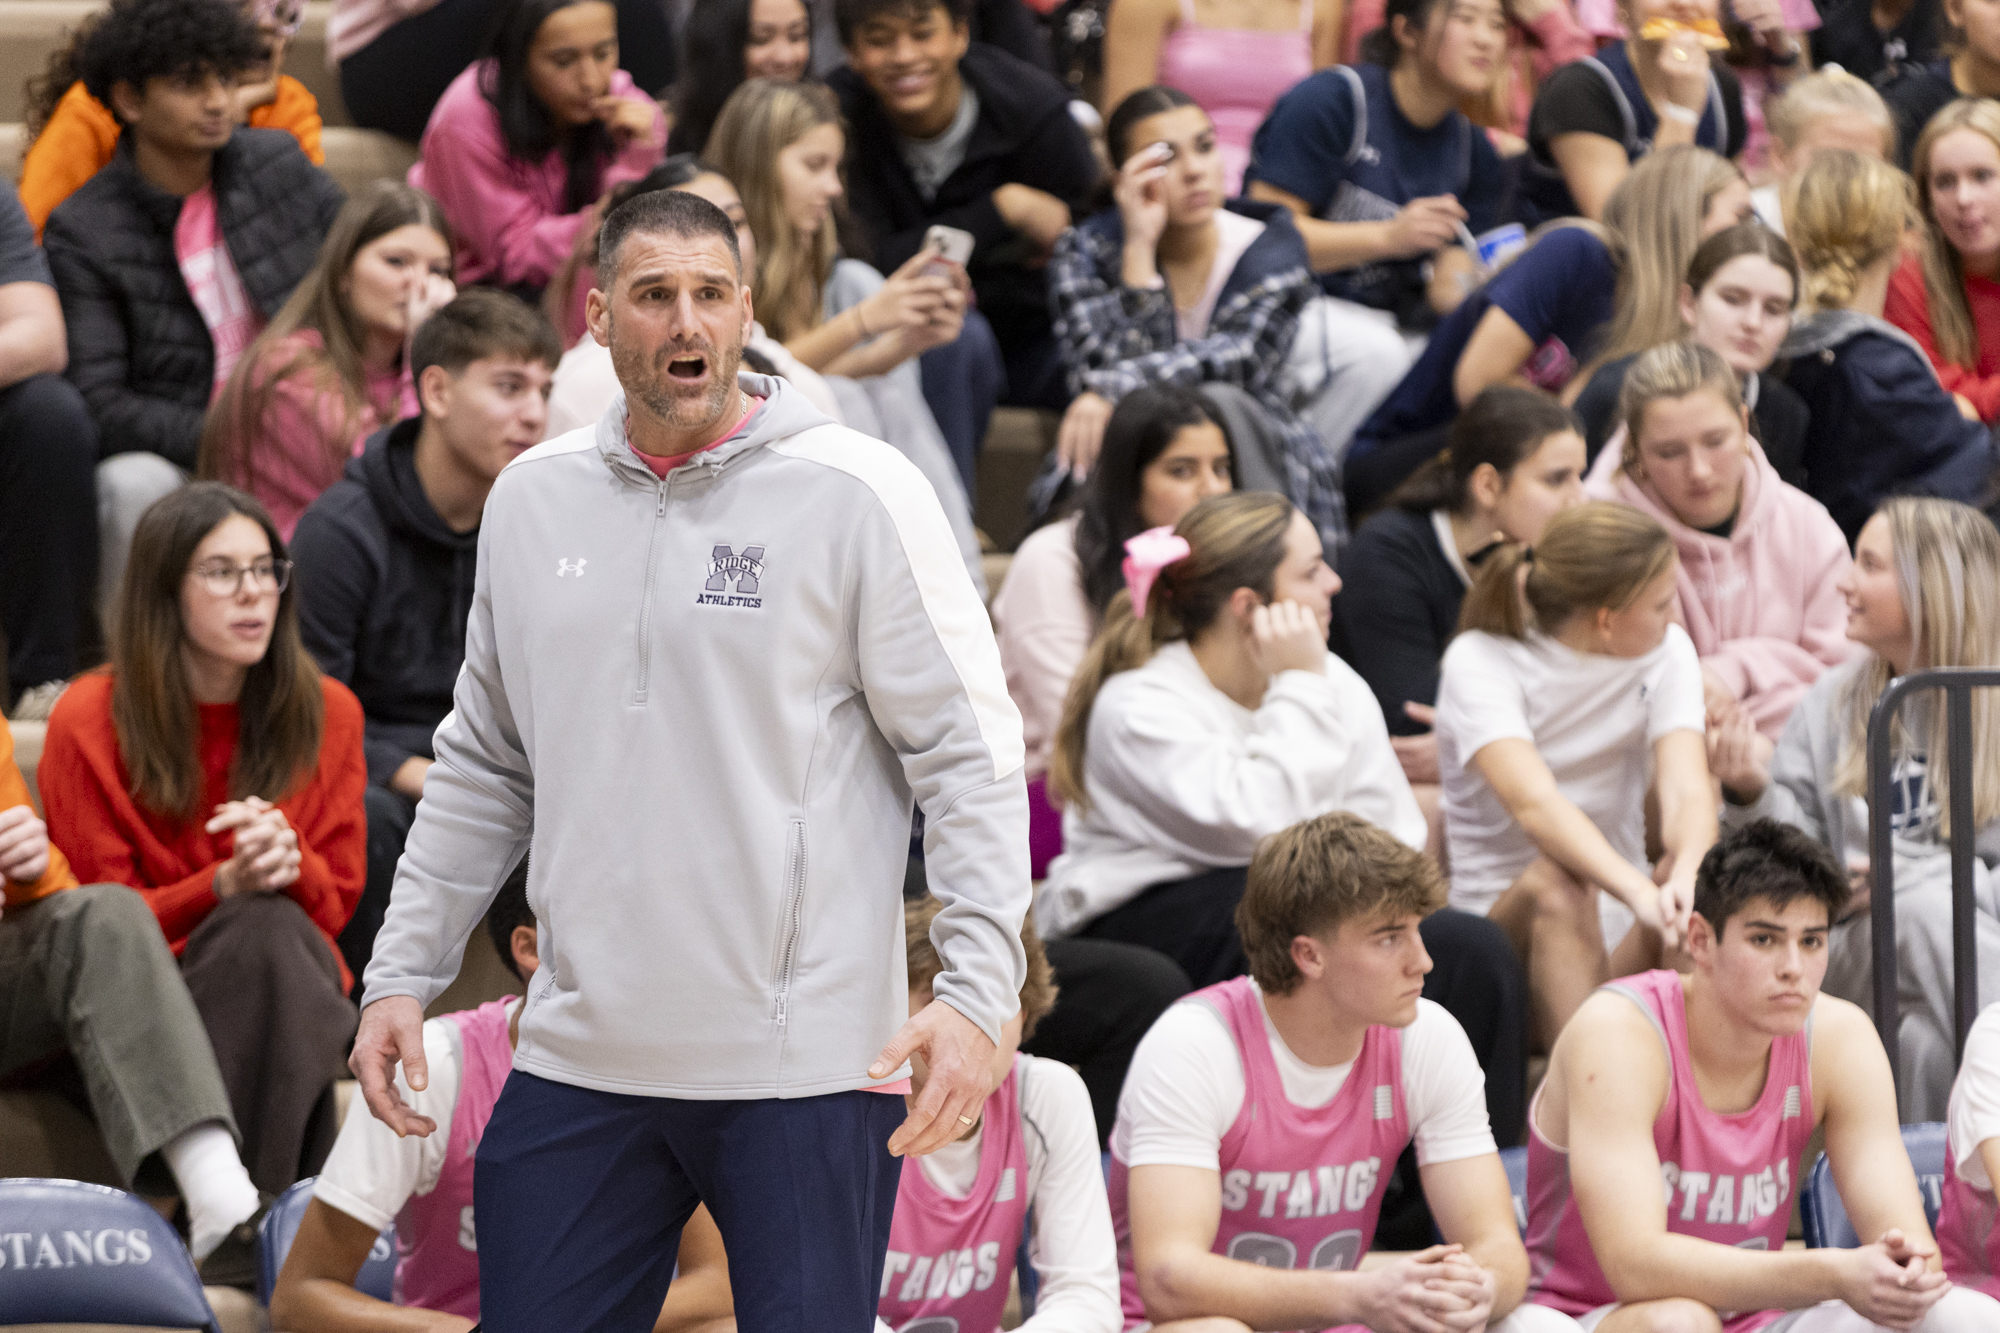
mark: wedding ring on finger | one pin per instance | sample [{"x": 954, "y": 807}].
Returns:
[{"x": 966, "y": 1120}]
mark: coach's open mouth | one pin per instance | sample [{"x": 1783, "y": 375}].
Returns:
[{"x": 688, "y": 367}]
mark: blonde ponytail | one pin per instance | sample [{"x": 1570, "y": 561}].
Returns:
[{"x": 1848, "y": 214}]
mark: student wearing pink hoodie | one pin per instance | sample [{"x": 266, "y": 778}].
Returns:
[
  {"x": 525, "y": 143},
  {"x": 1759, "y": 558}
]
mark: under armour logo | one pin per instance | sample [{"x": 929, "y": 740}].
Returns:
[
  {"x": 746, "y": 569},
  {"x": 570, "y": 567},
  {"x": 1369, "y": 154}
]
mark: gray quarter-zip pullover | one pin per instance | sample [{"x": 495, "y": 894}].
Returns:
[{"x": 713, "y": 698}]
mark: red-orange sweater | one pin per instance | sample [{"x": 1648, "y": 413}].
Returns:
[
  {"x": 1909, "y": 309},
  {"x": 109, "y": 836}
]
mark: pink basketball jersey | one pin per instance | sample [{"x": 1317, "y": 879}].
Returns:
[
  {"x": 438, "y": 1258},
  {"x": 1728, "y": 1178},
  {"x": 1301, "y": 1186},
  {"x": 951, "y": 1261},
  {"x": 1967, "y": 1240}
]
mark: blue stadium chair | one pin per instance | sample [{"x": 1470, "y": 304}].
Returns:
[
  {"x": 1826, "y": 1224},
  {"x": 377, "y": 1277},
  {"x": 84, "y": 1254},
  {"x": 1515, "y": 1160}
]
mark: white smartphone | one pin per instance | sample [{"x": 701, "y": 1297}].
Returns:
[{"x": 951, "y": 244}]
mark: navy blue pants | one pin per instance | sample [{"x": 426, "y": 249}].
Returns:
[{"x": 581, "y": 1196}]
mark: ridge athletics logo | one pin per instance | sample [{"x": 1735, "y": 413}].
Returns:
[{"x": 726, "y": 567}]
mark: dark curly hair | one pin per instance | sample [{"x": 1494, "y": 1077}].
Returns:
[
  {"x": 137, "y": 41},
  {"x": 1766, "y": 860}
]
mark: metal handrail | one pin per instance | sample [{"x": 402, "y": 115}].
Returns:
[{"x": 1958, "y": 683}]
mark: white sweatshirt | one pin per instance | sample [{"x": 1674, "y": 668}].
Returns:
[{"x": 1182, "y": 779}]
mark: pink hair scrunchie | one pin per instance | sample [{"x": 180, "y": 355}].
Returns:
[{"x": 1145, "y": 556}]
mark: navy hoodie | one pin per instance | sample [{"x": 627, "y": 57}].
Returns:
[
  {"x": 384, "y": 591},
  {"x": 1881, "y": 424}
]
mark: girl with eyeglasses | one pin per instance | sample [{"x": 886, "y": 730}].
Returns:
[{"x": 212, "y": 768}]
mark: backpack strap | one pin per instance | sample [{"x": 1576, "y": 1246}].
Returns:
[
  {"x": 1359, "y": 140},
  {"x": 1631, "y": 141}
]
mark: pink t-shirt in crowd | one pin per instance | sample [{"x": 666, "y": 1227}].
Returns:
[
  {"x": 305, "y": 436},
  {"x": 1236, "y": 75},
  {"x": 212, "y": 280}
]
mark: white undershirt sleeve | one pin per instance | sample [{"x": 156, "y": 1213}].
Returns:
[
  {"x": 1679, "y": 704},
  {"x": 1072, "y": 1248},
  {"x": 1182, "y": 1091},
  {"x": 1974, "y": 1116},
  {"x": 1444, "y": 1089},
  {"x": 371, "y": 1174}
]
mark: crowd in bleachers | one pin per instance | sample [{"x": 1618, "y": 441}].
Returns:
[{"x": 1499, "y": 451}]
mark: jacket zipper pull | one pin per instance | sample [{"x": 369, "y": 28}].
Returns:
[
  {"x": 781, "y": 1011},
  {"x": 661, "y": 512}
]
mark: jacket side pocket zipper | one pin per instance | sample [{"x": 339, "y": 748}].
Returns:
[
  {"x": 646, "y": 606},
  {"x": 793, "y": 916}
]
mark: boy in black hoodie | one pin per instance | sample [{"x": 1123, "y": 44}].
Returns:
[
  {"x": 946, "y": 130},
  {"x": 385, "y": 558}
]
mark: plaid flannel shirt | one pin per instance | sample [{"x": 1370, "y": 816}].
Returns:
[{"x": 1116, "y": 338}]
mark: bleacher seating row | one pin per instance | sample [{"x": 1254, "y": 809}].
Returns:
[{"x": 31, "y": 29}]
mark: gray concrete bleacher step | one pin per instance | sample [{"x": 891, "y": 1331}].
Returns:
[{"x": 1016, "y": 442}]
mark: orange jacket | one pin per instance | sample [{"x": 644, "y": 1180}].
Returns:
[
  {"x": 82, "y": 134},
  {"x": 13, "y": 792}
]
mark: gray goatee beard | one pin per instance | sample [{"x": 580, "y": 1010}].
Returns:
[{"x": 648, "y": 383}]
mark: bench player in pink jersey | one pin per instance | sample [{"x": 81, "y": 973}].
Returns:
[
  {"x": 1665, "y": 1143},
  {"x": 1033, "y": 1153},
  {"x": 424, "y": 1186},
  {"x": 1262, "y": 1117},
  {"x": 1967, "y": 1232}
]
